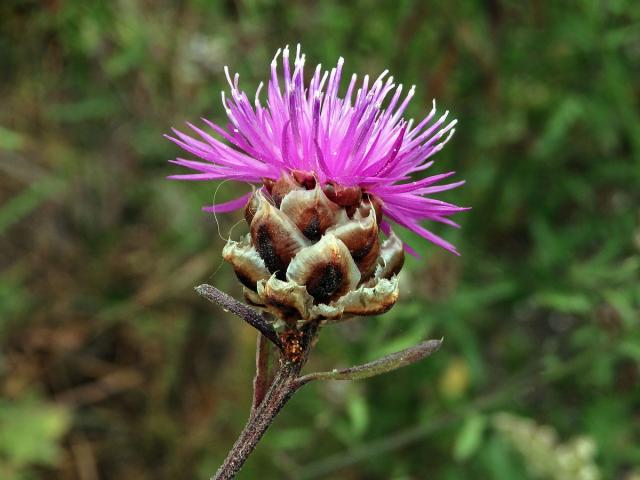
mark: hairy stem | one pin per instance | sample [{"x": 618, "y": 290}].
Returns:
[
  {"x": 281, "y": 390},
  {"x": 284, "y": 385}
]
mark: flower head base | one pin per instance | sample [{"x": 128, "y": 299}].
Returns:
[
  {"x": 309, "y": 258},
  {"x": 353, "y": 146}
]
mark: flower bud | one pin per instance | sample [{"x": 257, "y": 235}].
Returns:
[{"x": 314, "y": 253}]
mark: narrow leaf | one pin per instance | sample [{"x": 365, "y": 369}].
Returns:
[
  {"x": 265, "y": 370},
  {"x": 246, "y": 313},
  {"x": 386, "y": 364}
]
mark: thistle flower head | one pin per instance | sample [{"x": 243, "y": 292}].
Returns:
[
  {"x": 353, "y": 144},
  {"x": 333, "y": 170}
]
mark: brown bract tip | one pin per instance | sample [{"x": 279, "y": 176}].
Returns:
[
  {"x": 343, "y": 196},
  {"x": 279, "y": 188},
  {"x": 305, "y": 179}
]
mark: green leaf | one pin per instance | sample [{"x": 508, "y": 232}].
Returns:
[
  {"x": 11, "y": 140},
  {"x": 470, "y": 436},
  {"x": 30, "y": 430},
  {"x": 358, "y": 413},
  {"x": 565, "y": 302},
  {"x": 19, "y": 206}
]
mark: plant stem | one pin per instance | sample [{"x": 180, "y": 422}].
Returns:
[
  {"x": 279, "y": 393},
  {"x": 272, "y": 392},
  {"x": 284, "y": 385}
]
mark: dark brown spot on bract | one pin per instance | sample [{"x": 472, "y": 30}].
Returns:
[
  {"x": 366, "y": 258},
  {"x": 361, "y": 253},
  {"x": 327, "y": 282},
  {"x": 311, "y": 228},
  {"x": 264, "y": 244},
  {"x": 245, "y": 280},
  {"x": 285, "y": 311}
]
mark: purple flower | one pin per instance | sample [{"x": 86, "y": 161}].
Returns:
[{"x": 359, "y": 139}]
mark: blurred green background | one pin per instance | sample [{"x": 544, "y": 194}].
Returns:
[{"x": 111, "y": 367}]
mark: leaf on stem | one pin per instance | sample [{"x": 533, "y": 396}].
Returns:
[
  {"x": 246, "y": 313},
  {"x": 266, "y": 359},
  {"x": 386, "y": 364}
]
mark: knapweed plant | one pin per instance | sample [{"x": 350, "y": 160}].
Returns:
[{"x": 334, "y": 172}]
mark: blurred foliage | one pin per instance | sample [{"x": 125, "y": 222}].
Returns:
[
  {"x": 111, "y": 367},
  {"x": 29, "y": 432},
  {"x": 545, "y": 456}
]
